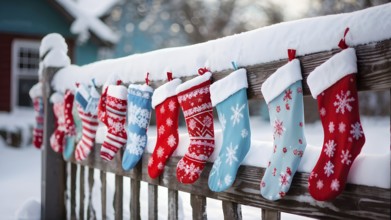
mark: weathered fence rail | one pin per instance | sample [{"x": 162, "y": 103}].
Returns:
[{"x": 356, "y": 202}]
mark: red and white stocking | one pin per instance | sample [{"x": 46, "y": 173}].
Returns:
[
  {"x": 57, "y": 140},
  {"x": 116, "y": 103},
  {"x": 70, "y": 127},
  {"x": 36, "y": 95},
  {"x": 165, "y": 103},
  {"x": 194, "y": 98},
  {"x": 334, "y": 86}
]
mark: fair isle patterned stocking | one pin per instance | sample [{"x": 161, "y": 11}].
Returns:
[
  {"x": 139, "y": 114},
  {"x": 229, "y": 95},
  {"x": 194, "y": 98},
  {"x": 165, "y": 101},
  {"x": 284, "y": 95},
  {"x": 333, "y": 84},
  {"x": 116, "y": 117}
]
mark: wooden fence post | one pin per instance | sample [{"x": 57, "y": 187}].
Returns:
[{"x": 53, "y": 177}]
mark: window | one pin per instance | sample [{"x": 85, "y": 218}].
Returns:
[{"x": 25, "y": 65}]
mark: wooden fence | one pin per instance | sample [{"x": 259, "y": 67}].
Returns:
[{"x": 356, "y": 201}]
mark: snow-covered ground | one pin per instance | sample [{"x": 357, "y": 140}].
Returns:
[{"x": 20, "y": 172}]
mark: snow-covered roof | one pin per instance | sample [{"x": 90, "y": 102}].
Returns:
[
  {"x": 97, "y": 8},
  {"x": 86, "y": 22}
]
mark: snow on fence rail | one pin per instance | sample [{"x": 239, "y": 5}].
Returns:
[{"x": 356, "y": 201}]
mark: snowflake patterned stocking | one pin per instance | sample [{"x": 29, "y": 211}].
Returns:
[
  {"x": 36, "y": 96},
  {"x": 89, "y": 121},
  {"x": 165, "y": 101},
  {"x": 194, "y": 99},
  {"x": 333, "y": 84},
  {"x": 284, "y": 95},
  {"x": 116, "y": 118},
  {"x": 229, "y": 95},
  {"x": 139, "y": 114},
  {"x": 57, "y": 140}
]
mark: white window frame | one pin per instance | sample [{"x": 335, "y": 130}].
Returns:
[{"x": 16, "y": 73}]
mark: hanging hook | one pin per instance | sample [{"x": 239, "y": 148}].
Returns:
[
  {"x": 342, "y": 43},
  {"x": 169, "y": 76},
  {"x": 291, "y": 54},
  {"x": 147, "y": 79},
  {"x": 234, "y": 65}
]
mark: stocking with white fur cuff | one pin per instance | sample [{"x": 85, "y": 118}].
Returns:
[
  {"x": 334, "y": 86},
  {"x": 165, "y": 102},
  {"x": 116, "y": 117},
  {"x": 57, "y": 140}
]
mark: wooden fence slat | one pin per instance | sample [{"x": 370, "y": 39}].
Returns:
[
  {"x": 73, "y": 190},
  {"x": 53, "y": 178},
  {"x": 270, "y": 215},
  {"x": 198, "y": 204},
  {"x": 118, "y": 201},
  {"x": 172, "y": 204},
  {"x": 232, "y": 210},
  {"x": 103, "y": 194},
  {"x": 152, "y": 202},
  {"x": 81, "y": 192},
  {"x": 135, "y": 192},
  {"x": 90, "y": 211}
]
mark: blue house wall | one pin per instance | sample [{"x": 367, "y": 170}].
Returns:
[{"x": 38, "y": 18}]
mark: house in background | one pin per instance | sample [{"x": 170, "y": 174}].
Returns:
[{"x": 23, "y": 23}]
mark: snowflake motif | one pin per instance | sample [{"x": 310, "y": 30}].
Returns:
[
  {"x": 138, "y": 116},
  {"x": 287, "y": 106},
  {"x": 341, "y": 127},
  {"x": 330, "y": 148},
  {"x": 345, "y": 157},
  {"x": 192, "y": 124},
  {"x": 334, "y": 185},
  {"x": 329, "y": 168},
  {"x": 244, "y": 133},
  {"x": 331, "y": 127},
  {"x": 284, "y": 180},
  {"x": 282, "y": 194},
  {"x": 171, "y": 141},
  {"x": 299, "y": 90},
  {"x": 356, "y": 131},
  {"x": 228, "y": 179},
  {"x": 319, "y": 184},
  {"x": 343, "y": 102},
  {"x": 160, "y": 152},
  {"x": 169, "y": 122},
  {"x": 237, "y": 114},
  {"x": 231, "y": 154},
  {"x": 171, "y": 106},
  {"x": 162, "y": 110},
  {"x": 278, "y": 109},
  {"x": 150, "y": 161},
  {"x": 322, "y": 111},
  {"x": 278, "y": 128},
  {"x": 161, "y": 130},
  {"x": 160, "y": 166},
  {"x": 191, "y": 170},
  {"x": 288, "y": 95},
  {"x": 216, "y": 166},
  {"x": 207, "y": 121},
  {"x": 223, "y": 122},
  {"x": 313, "y": 175}
]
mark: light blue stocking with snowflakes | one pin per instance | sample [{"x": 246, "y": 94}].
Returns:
[
  {"x": 234, "y": 119},
  {"x": 139, "y": 114},
  {"x": 287, "y": 119}
]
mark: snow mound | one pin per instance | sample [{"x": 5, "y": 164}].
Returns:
[{"x": 30, "y": 210}]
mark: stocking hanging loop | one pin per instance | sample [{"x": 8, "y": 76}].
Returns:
[
  {"x": 342, "y": 43},
  {"x": 203, "y": 70},
  {"x": 291, "y": 54},
  {"x": 169, "y": 76},
  {"x": 147, "y": 79}
]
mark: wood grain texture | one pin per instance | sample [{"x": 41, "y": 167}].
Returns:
[
  {"x": 270, "y": 214},
  {"x": 232, "y": 210},
  {"x": 355, "y": 202},
  {"x": 152, "y": 202},
  {"x": 172, "y": 204},
  {"x": 135, "y": 193},
  {"x": 53, "y": 175},
  {"x": 81, "y": 191},
  {"x": 73, "y": 190},
  {"x": 90, "y": 208},
  {"x": 103, "y": 194},
  {"x": 198, "y": 204},
  {"x": 118, "y": 199}
]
